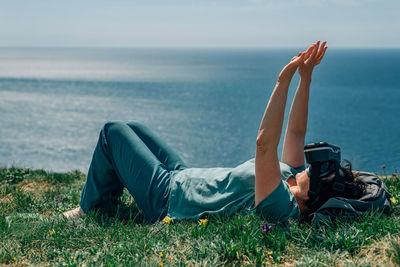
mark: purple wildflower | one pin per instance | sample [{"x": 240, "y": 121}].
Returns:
[
  {"x": 266, "y": 228},
  {"x": 58, "y": 199}
]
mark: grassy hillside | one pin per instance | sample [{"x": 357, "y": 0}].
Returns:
[{"x": 31, "y": 232}]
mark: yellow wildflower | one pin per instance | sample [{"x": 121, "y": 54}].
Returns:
[
  {"x": 52, "y": 232},
  {"x": 15, "y": 259},
  {"x": 263, "y": 262},
  {"x": 167, "y": 220},
  {"x": 269, "y": 252},
  {"x": 161, "y": 264},
  {"x": 203, "y": 221},
  {"x": 161, "y": 255},
  {"x": 394, "y": 200}
]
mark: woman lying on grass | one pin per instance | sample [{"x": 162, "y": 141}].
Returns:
[{"x": 130, "y": 155}]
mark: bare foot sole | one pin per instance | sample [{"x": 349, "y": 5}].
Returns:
[{"x": 75, "y": 213}]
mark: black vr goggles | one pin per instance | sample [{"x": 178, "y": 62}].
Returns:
[
  {"x": 324, "y": 160},
  {"x": 324, "y": 155}
]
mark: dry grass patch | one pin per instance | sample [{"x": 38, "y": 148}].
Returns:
[
  {"x": 7, "y": 199},
  {"x": 380, "y": 253},
  {"x": 35, "y": 186}
]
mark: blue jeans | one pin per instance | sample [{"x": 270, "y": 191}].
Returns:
[{"x": 130, "y": 155}]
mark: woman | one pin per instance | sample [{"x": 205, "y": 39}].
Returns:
[{"x": 130, "y": 155}]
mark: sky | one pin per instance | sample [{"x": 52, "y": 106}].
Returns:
[{"x": 201, "y": 23}]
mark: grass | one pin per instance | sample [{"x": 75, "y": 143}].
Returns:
[{"x": 31, "y": 233}]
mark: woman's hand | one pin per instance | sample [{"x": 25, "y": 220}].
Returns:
[
  {"x": 289, "y": 70},
  {"x": 312, "y": 58}
]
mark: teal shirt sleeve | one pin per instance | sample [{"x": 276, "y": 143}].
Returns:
[
  {"x": 280, "y": 205},
  {"x": 287, "y": 171}
]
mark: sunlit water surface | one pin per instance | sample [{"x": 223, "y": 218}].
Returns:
[{"x": 206, "y": 103}]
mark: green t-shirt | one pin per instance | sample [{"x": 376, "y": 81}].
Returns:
[{"x": 198, "y": 191}]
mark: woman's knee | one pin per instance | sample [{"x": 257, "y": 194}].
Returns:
[
  {"x": 112, "y": 127},
  {"x": 134, "y": 125},
  {"x": 117, "y": 130}
]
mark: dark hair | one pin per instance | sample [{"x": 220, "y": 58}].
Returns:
[
  {"x": 351, "y": 180},
  {"x": 347, "y": 169}
]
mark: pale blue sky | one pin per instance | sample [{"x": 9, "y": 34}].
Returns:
[{"x": 201, "y": 23}]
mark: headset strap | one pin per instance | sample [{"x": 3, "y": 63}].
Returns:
[
  {"x": 315, "y": 171},
  {"x": 339, "y": 184}
]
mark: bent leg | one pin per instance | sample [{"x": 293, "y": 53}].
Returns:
[
  {"x": 158, "y": 147},
  {"x": 102, "y": 184},
  {"x": 133, "y": 165}
]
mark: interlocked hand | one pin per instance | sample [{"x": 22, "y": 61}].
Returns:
[{"x": 312, "y": 57}]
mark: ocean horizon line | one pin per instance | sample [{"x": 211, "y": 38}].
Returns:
[{"x": 199, "y": 47}]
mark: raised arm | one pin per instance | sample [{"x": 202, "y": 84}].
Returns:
[
  {"x": 293, "y": 145},
  {"x": 267, "y": 169}
]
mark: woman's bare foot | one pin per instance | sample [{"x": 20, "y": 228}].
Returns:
[{"x": 75, "y": 213}]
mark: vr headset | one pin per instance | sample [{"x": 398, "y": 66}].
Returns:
[
  {"x": 324, "y": 155},
  {"x": 327, "y": 178}
]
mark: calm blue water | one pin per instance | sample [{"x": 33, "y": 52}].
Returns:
[{"x": 206, "y": 103}]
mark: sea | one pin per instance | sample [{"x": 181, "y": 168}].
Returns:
[{"x": 206, "y": 104}]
